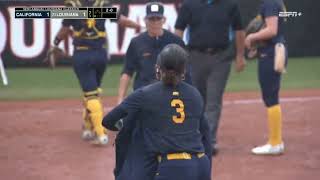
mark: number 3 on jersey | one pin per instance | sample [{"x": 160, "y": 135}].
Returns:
[{"x": 178, "y": 104}]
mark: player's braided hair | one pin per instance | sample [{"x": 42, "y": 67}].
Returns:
[{"x": 172, "y": 62}]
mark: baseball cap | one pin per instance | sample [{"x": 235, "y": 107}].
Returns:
[{"x": 154, "y": 9}]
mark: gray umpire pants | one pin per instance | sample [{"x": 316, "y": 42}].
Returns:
[{"x": 210, "y": 73}]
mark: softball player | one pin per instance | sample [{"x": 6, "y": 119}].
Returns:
[
  {"x": 269, "y": 76},
  {"x": 171, "y": 114},
  {"x": 89, "y": 63},
  {"x": 141, "y": 58}
]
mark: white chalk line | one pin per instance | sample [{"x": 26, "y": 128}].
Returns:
[
  {"x": 225, "y": 103},
  {"x": 282, "y": 100}
]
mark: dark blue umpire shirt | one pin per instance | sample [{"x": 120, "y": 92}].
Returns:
[
  {"x": 209, "y": 22},
  {"x": 141, "y": 57}
]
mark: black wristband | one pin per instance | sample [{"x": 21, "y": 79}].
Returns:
[{"x": 56, "y": 41}]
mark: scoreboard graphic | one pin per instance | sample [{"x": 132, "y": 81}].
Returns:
[{"x": 65, "y": 12}]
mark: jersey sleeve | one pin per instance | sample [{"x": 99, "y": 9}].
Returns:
[
  {"x": 129, "y": 107},
  {"x": 131, "y": 59},
  {"x": 110, "y": 120},
  {"x": 205, "y": 131},
  {"x": 270, "y": 8},
  {"x": 236, "y": 18},
  {"x": 183, "y": 16}
]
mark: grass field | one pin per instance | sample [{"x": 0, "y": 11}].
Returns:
[{"x": 41, "y": 83}]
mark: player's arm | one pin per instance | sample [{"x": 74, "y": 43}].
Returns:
[
  {"x": 125, "y": 80},
  {"x": 126, "y": 22},
  {"x": 204, "y": 128},
  {"x": 205, "y": 131},
  {"x": 266, "y": 33},
  {"x": 184, "y": 16},
  {"x": 128, "y": 71},
  {"x": 115, "y": 116},
  {"x": 131, "y": 105},
  {"x": 63, "y": 32},
  {"x": 271, "y": 13}
]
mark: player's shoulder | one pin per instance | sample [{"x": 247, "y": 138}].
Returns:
[
  {"x": 189, "y": 89},
  {"x": 152, "y": 87}
]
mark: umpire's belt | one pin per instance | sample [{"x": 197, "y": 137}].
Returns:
[
  {"x": 208, "y": 50},
  {"x": 175, "y": 156}
]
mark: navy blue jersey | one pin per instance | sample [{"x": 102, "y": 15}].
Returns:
[
  {"x": 209, "y": 22},
  {"x": 172, "y": 119},
  {"x": 87, "y": 32},
  {"x": 141, "y": 56},
  {"x": 270, "y": 8}
]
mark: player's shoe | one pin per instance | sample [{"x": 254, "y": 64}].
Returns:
[
  {"x": 101, "y": 140},
  {"x": 268, "y": 149},
  {"x": 87, "y": 135}
]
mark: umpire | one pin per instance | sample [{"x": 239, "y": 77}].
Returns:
[
  {"x": 211, "y": 49},
  {"x": 143, "y": 50}
]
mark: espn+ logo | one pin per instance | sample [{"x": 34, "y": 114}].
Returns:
[{"x": 290, "y": 14}]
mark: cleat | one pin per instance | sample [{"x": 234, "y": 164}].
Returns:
[
  {"x": 102, "y": 140},
  {"x": 268, "y": 149},
  {"x": 87, "y": 135}
]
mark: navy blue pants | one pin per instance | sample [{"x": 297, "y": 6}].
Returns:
[
  {"x": 89, "y": 66},
  {"x": 269, "y": 79},
  {"x": 132, "y": 160},
  {"x": 190, "y": 169}
]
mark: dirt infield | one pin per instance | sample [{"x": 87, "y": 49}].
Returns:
[{"x": 41, "y": 140}]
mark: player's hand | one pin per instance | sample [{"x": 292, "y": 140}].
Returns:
[
  {"x": 240, "y": 63},
  {"x": 248, "y": 41},
  {"x": 53, "y": 55},
  {"x": 252, "y": 53}
]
